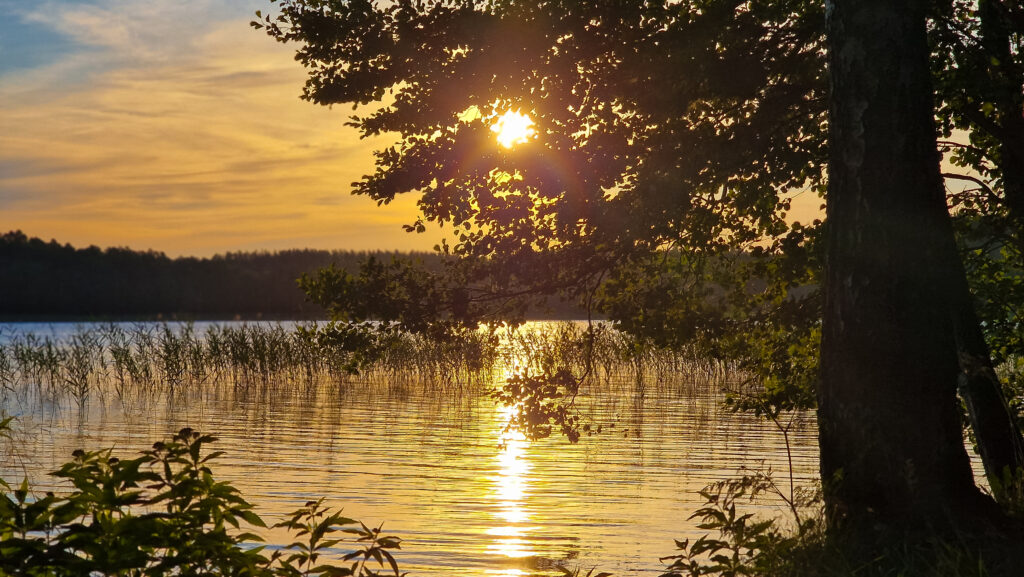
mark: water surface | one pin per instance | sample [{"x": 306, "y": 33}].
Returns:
[{"x": 439, "y": 469}]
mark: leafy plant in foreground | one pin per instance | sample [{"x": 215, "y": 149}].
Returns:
[
  {"x": 744, "y": 546},
  {"x": 164, "y": 513},
  {"x": 316, "y": 523}
]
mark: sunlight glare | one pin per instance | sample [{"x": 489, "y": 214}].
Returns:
[
  {"x": 513, "y": 128},
  {"x": 510, "y": 492}
]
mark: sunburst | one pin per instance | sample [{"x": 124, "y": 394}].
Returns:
[{"x": 513, "y": 128}]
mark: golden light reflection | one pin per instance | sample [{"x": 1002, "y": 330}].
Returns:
[
  {"x": 513, "y": 128},
  {"x": 511, "y": 491}
]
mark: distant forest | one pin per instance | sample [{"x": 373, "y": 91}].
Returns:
[{"x": 49, "y": 280}]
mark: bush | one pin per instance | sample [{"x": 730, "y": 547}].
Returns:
[{"x": 163, "y": 513}]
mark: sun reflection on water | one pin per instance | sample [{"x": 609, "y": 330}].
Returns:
[
  {"x": 507, "y": 572},
  {"x": 511, "y": 490}
]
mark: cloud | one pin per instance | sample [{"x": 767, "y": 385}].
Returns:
[
  {"x": 141, "y": 30},
  {"x": 175, "y": 126}
]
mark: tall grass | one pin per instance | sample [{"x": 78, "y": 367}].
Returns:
[
  {"x": 125, "y": 361},
  {"x": 600, "y": 354}
]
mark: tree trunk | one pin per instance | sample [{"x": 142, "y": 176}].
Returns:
[
  {"x": 999, "y": 440},
  {"x": 892, "y": 450}
]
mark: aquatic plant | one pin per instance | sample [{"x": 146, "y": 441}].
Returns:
[
  {"x": 127, "y": 362},
  {"x": 79, "y": 361},
  {"x": 7, "y": 369}
]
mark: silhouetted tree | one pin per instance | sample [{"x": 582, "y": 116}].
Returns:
[
  {"x": 892, "y": 450},
  {"x": 669, "y": 137}
]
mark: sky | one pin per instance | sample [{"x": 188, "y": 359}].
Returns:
[{"x": 173, "y": 125}]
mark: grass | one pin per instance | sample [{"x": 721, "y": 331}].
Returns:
[{"x": 125, "y": 361}]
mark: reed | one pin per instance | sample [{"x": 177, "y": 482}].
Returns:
[
  {"x": 126, "y": 361},
  {"x": 82, "y": 362}
]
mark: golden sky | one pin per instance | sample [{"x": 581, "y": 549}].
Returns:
[{"x": 172, "y": 125}]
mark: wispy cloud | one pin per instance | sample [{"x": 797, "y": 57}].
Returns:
[{"x": 175, "y": 126}]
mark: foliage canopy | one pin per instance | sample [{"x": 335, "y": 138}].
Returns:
[{"x": 670, "y": 135}]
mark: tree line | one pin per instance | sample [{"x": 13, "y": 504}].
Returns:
[
  {"x": 50, "y": 280},
  {"x": 53, "y": 280}
]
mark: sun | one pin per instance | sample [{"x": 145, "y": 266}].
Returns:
[{"x": 513, "y": 128}]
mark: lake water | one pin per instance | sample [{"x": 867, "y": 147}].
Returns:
[{"x": 438, "y": 468}]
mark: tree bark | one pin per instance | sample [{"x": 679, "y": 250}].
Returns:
[{"x": 892, "y": 451}]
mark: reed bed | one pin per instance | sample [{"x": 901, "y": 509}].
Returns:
[
  {"x": 601, "y": 355},
  {"x": 129, "y": 361}
]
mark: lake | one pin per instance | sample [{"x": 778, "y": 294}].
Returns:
[{"x": 435, "y": 463}]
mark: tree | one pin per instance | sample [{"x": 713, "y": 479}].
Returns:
[
  {"x": 59, "y": 281},
  {"x": 979, "y": 74},
  {"x": 891, "y": 444},
  {"x": 669, "y": 137},
  {"x": 621, "y": 177}
]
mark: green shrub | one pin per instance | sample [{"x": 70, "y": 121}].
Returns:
[{"x": 164, "y": 513}]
